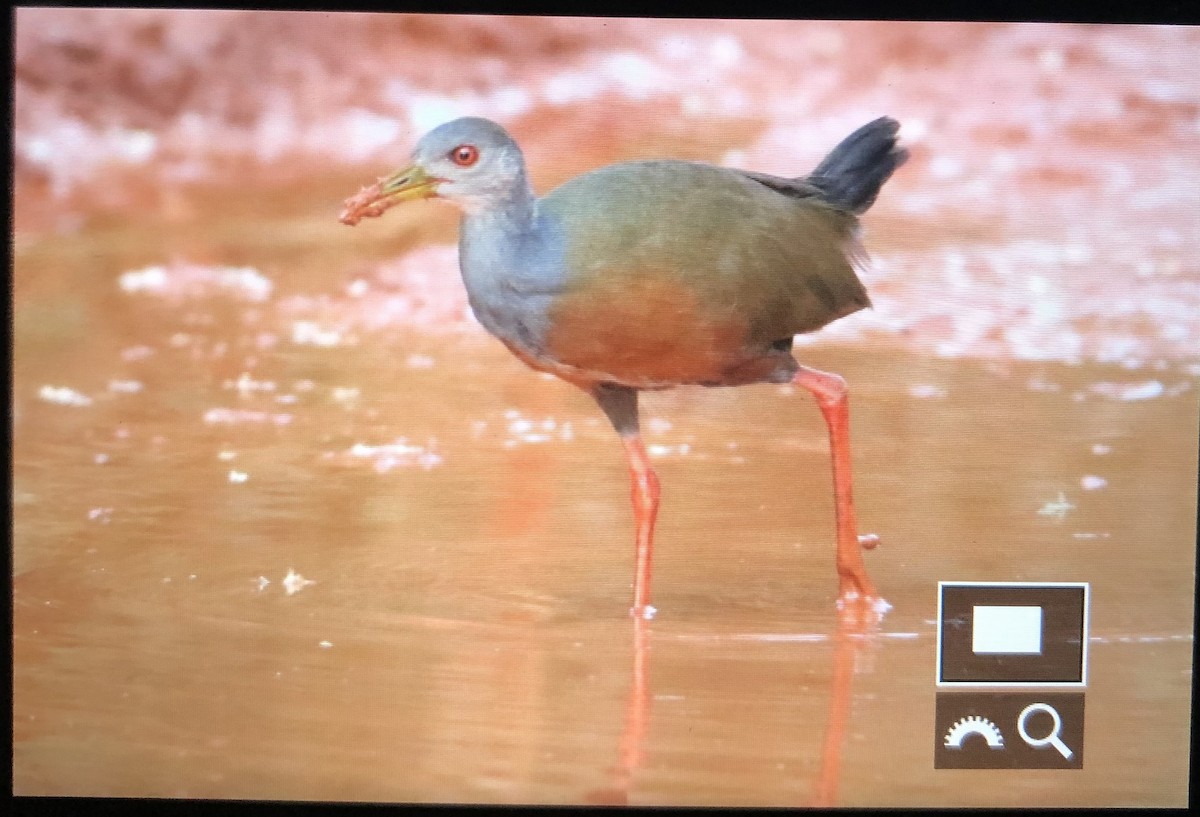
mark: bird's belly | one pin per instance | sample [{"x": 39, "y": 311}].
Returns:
[
  {"x": 653, "y": 333},
  {"x": 643, "y": 331}
]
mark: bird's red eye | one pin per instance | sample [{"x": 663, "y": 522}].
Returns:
[{"x": 464, "y": 155}]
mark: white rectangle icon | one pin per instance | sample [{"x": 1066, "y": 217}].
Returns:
[
  {"x": 1006, "y": 630},
  {"x": 960, "y": 629}
]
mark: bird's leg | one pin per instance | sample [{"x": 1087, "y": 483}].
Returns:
[
  {"x": 620, "y": 404},
  {"x": 645, "y": 492},
  {"x": 830, "y": 391}
]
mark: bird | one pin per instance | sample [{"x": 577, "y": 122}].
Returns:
[{"x": 651, "y": 274}]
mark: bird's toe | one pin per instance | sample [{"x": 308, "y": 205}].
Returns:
[{"x": 860, "y": 608}]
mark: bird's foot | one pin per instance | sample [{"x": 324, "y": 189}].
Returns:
[
  {"x": 857, "y": 594},
  {"x": 853, "y": 599},
  {"x": 644, "y": 611},
  {"x": 859, "y": 608}
]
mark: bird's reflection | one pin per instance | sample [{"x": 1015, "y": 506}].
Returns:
[
  {"x": 854, "y": 638},
  {"x": 637, "y": 707},
  {"x": 630, "y": 749}
]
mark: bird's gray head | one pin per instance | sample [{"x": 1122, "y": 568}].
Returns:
[{"x": 472, "y": 162}]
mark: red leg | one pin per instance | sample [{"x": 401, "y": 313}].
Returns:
[
  {"x": 830, "y": 391},
  {"x": 645, "y": 510}
]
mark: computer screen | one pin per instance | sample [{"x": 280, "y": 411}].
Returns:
[{"x": 420, "y": 408}]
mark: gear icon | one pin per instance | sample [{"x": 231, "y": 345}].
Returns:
[{"x": 974, "y": 725}]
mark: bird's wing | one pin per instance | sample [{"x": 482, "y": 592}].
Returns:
[
  {"x": 800, "y": 188},
  {"x": 675, "y": 258}
]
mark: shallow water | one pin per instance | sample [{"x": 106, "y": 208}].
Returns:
[
  {"x": 464, "y": 635},
  {"x": 289, "y": 525}
]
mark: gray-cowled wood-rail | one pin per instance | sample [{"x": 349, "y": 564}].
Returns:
[{"x": 653, "y": 274}]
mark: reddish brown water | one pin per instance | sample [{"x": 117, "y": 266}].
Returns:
[{"x": 217, "y": 387}]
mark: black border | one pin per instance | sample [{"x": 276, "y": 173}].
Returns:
[{"x": 1154, "y": 12}]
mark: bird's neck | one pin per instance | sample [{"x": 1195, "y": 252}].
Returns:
[
  {"x": 501, "y": 236},
  {"x": 512, "y": 213},
  {"x": 508, "y": 247},
  {"x": 511, "y": 205}
]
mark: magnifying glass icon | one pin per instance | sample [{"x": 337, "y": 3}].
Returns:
[{"x": 1053, "y": 739}]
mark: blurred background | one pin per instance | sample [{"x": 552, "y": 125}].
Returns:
[
  {"x": 288, "y": 523},
  {"x": 1079, "y": 139}
]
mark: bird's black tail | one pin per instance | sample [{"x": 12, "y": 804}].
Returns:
[{"x": 852, "y": 174}]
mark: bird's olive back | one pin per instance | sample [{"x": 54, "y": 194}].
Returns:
[{"x": 775, "y": 262}]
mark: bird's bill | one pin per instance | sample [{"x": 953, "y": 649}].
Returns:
[{"x": 407, "y": 184}]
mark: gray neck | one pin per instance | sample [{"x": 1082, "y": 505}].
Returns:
[
  {"x": 512, "y": 209},
  {"x": 512, "y": 258},
  {"x": 501, "y": 237}
]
